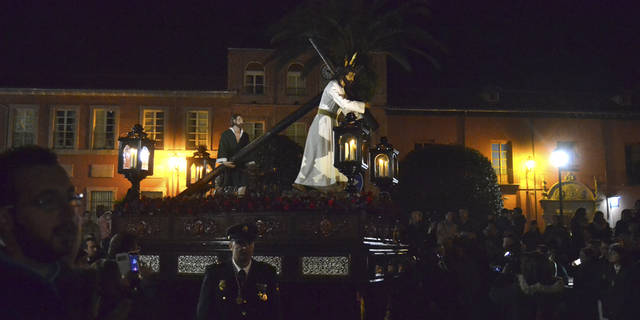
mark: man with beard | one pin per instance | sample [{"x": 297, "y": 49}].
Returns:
[
  {"x": 240, "y": 288},
  {"x": 38, "y": 228},
  {"x": 234, "y": 178}
]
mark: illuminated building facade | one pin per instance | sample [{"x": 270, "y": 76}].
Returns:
[{"x": 516, "y": 131}]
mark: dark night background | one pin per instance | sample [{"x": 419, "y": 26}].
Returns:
[{"x": 538, "y": 45}]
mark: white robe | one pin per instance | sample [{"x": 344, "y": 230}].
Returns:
[{"x": 316, "y": 169}]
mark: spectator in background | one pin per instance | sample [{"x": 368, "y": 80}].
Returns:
[
  {"x": 587, "y": 283},
  {"x": 90, "y": 252},
  {"x": 417, "y": 232},
  {"x": 492, "y": 244},
  {"x": 503, "y": 222},
  {"x": 38, "y": 227},
  {"x": 518, "y": 221},
  {"x": 556, "y": 236},
  {"x": 541, "y": 287},
  {"x": 532, "y": 238},
  {"x": 104, "y": 223},
  {"x": 618, "y": 287},
  {"x": 533, "y": 293},
  {"x": 447, "y": 229},
  {"x": 578, "y": 224},
  {"x": 599, "y": 227},
  {"x": 622, "y": 226},
  {"x": 511, "y": 256},
  {"x": 604, "y": 250},
  {"x": 466, "y": 227},
  {"x": 89, "y": 227}
]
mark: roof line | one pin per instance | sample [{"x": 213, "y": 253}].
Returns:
[{"x": 115, "y": 92}]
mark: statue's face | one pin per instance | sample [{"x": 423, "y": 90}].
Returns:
[{"x": 350, "y": 76}]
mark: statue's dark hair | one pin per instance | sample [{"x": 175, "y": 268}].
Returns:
[
  {"x": 13, "y": 161},
  {"x": 233, "y": 118}
]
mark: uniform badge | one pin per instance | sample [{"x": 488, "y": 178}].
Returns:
[
  {"x": 262, "y": 291},
  {"x": 222, "y": 285}
]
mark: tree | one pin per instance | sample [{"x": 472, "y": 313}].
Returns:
[
  {"x": 448, "y": 177},
  {"x": 278, "y": 161},
  {"x": 342, "y": 27}
]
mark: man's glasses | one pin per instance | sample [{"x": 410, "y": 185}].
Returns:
[{"x": 51, "y": 201}]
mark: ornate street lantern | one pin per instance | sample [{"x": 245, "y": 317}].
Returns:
[
  {"x": 135, "y": 159},
  {"x": 199, "y": 165},
  {"x": 351, "y": 139},
  {"x": 384, "y": 159}
]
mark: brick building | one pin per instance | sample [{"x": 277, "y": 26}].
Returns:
[{"x": 509, "y": 127}]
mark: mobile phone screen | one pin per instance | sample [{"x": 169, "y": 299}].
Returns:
[{"x": 133, "y": 262}]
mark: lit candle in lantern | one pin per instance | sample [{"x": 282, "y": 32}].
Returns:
[
  {"x": 133, "y": 155},
  {"x": 346, "y": 151},
  {"x": 383, "y": 171},
  {"x": 199, "y": 173},
  {"x": 352, "y": 149},
  {"x": 144, "y": 158}
]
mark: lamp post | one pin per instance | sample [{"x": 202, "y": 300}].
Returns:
[
  {"x": 135, "y": 159},
  {"x": 350, "y": 144},
  {"x": 174, "y": 169},
  {"x": 560, "y": 159},
  {"x": 531, "y": 164},
  {"x": 384, "y": 159}
]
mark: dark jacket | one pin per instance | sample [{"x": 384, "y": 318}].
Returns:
[
  {"x": 617, "y": 295},
  {"x": 228, "y": 147},
  {"x": 219, "y": 294},
  {"x": 26, "y": 295}
]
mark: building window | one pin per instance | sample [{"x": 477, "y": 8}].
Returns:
[
  {"x": 101, "y": 201},
  {"x": 297, "y": 132},
  {"x": 253, "y": 129},
  {"x": 64, "y": 130},
  {"x": 295, "y": 81},
  {"x": 24, "y": 127},
  {"x": 153, "y": 122},
  {"x": 197, "y": 129},
  {"x": 502, "y": 162},
  {"x": 632, "y": 157},
  {"x": 254, "y": 79},
  {"x": 104, "y": 128}
]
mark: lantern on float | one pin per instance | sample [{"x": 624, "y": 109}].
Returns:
[
  {"x": 135, "y": 159},
  {"x": 199, "y": 165},
  {"x": 351, "y": 140},
  {"x": 384, "y": 159}
]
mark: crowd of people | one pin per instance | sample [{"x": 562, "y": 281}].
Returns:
[
  {"x": 58, "y": 264},
  {"x": 506, "y": 268}
]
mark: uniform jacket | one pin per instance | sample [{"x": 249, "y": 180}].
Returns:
[{"x": 219, "y": 294}]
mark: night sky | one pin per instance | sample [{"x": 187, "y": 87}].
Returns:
[{"x": 540, "y": 45}]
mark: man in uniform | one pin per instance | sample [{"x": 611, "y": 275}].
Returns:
[
  {"x": 240, "y": 288},
  {"x": 234, "y": 178}
]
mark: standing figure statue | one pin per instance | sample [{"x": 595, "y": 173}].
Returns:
[
  {"x": 234, "y": 178},
  {"x": 317, "y": 170}
]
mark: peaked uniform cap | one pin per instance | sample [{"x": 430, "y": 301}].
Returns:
[{"x": 243, "y": 231}]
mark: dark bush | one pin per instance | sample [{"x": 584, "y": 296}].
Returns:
[{"x": 448, "y": 177}]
